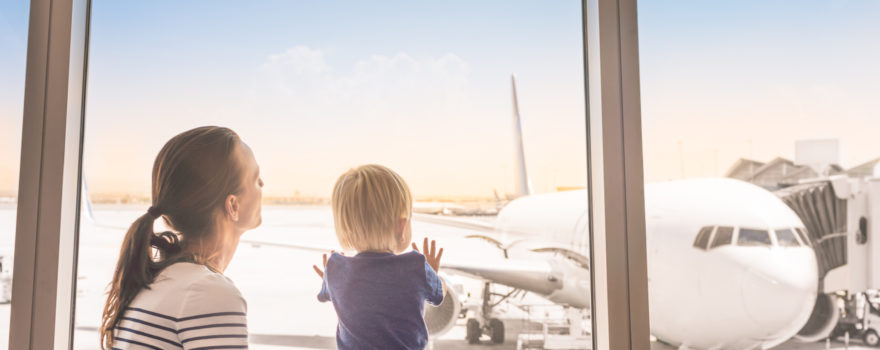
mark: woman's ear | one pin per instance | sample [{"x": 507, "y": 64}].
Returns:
[{"x": 232, "y": 207}]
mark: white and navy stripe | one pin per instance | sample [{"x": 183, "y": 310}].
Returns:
[{"x": 188, "y": 307}]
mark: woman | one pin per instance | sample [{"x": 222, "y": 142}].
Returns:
[{"x": 169, "y": 291}]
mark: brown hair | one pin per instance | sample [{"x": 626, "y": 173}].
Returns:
[{"x": 192, "y": 176}]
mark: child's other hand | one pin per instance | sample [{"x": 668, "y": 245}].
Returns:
[
  {"x": 318, "y": 270},
  {"x": 431, "y": 254}
]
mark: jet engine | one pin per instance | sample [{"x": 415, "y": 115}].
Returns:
[
  {"x": 441, "y": 318},
  {"x": 822, "y": 321}
]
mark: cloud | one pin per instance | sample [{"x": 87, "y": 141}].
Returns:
[
  {"x": 301, "y": 82},
  {"x": 298, "y": 60},
  {"x": 402, "y": 110}
]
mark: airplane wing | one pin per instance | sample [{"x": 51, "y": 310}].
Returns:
[
  {"x": 458, "y": 222},
  {"x": 303, "y": 247},
  {"x": 533, "y": 276},
  {"x": 543, "y": 268},
  {"x": 578, "y": 258}
]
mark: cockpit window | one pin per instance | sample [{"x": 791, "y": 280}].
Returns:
[
  {"x": 804, "y": 236},
  {"x": 752, "y": 237},
  {"x": 724, "y": 235},
  {"x": 786, "y": 238},
  {"x": 703, "y": 237}
]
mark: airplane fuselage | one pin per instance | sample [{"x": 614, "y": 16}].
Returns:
[{"x": 754, "y": 290}]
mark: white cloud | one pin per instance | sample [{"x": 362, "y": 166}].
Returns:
[
  {"x": 408, "y": 112},
  {"x": 297, "y": 61},
  {"x": 300, "y": 82}
]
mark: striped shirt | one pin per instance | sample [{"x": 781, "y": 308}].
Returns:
[{"x": 187, "y": 307}]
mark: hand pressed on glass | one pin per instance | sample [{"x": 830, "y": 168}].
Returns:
[
  {"x": 432, "y": 255},
  {"x": 318, "y": 270}
]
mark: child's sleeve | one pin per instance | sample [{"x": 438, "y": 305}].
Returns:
[
  {"x": 324, "y": 294},
  {"x": 433, "y": 287}
]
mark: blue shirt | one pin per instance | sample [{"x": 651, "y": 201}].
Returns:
[{"x": 380, "y": 299}]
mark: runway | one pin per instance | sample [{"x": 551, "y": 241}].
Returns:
[{"x": 279, "y": 284}]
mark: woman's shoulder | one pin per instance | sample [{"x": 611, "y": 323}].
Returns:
[
  {"x": 199, "y": 278},
  {"x": 183, "y": 289},
  {"x": 205, "y": 290}
]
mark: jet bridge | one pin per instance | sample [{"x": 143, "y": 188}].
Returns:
[{"x": 839, "y": 213}]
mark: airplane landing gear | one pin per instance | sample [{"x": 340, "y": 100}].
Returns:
[
  {"x": 474, "y": 331},
  {"x": 484, "y": 323},
  {"x": 497, "y": 331},
  {"x": 494, "y": 328}
]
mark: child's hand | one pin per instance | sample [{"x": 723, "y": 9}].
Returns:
[
  {"x": 431, "y": 255},
  {"x": 318, "y": 269}
]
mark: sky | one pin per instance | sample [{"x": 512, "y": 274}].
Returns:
[
  {"x": 749, "y": 78},
  {"x": 13, "y": 47},
  {"x": 424, "y": 87}
]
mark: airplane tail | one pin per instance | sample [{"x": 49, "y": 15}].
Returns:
[
  {"x": 86, "y": 202},
  {"x": 86, "y": 209},
  {"x": 523, "y": 185}
]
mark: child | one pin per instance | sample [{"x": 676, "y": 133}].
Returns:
[{"x": 379, "y": 294}]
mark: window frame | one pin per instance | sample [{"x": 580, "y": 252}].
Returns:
[
  {"x": 616, "y": 188},
  {"x": 47, "y": 227},
  {"x": 803, "y": 236},
  {"x": 47, "y": 224}
]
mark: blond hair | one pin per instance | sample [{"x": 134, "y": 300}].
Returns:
[{"x": 368, "y": 202}]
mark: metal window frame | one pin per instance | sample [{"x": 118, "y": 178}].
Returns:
[
  {"x": 47, "y": 223},
  {"x": 615, "y": 176},
  {"x": 51, "y": 160}
]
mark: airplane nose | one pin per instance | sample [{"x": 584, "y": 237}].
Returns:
[{"x": 779, "y": 290}]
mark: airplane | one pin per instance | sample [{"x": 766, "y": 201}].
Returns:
[{"x": 729, "y": 264}]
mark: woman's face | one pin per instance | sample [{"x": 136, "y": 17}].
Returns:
[{"x": 251, "y": 196}]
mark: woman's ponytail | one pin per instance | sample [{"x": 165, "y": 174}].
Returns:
[{"x": 134, "y": 270}]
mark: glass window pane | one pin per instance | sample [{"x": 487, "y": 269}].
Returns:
[
  {"x": 703, "y": 237},
  {"x": 13, "y": 46},
  {"x": 749, "y": 237},
  {"x": 786, "y": 238},
  {"x": 315, "y": 89},
  {"x": 724, "y": 235},
  {"x": 760, "y": 116}
]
